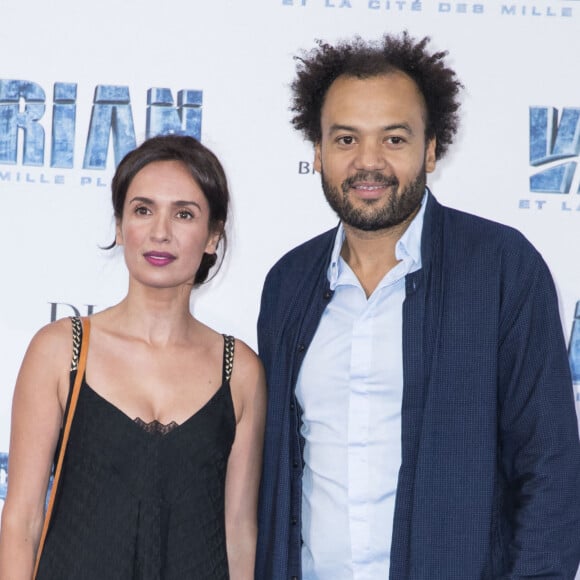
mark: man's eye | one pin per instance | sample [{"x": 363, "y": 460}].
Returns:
[
  {"x": 346, "y": 140},
  {"x": 396, "y": 140}
]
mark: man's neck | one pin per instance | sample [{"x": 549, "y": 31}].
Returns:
[{"x": 371, "y": 255}]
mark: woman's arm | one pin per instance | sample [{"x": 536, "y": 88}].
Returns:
[
  {"x": 40, "y": 391},
  {"x": 245, "y": 462}
]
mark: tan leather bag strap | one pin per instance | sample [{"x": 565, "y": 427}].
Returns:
[{"x": 65, "y": 434}]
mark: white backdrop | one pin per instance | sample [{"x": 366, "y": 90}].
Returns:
[{"x": 513, "y": 58}]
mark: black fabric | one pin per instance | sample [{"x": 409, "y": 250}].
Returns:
[{"x": 140, "y": 505}]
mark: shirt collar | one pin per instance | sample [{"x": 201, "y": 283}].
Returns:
[{"x": 407, "y": 247}]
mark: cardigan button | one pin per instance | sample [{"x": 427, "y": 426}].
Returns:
[
  {"x": 294, "y": 521},
  {"x": 327, "y": 295},
  {"x": 301, "y": 347},
  {"x": 295, "y": 464}
]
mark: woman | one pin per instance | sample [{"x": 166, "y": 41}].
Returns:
[{"x": 161, "y": 472}]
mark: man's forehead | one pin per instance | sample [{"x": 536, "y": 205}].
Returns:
[{"x": 382, "y": 93}]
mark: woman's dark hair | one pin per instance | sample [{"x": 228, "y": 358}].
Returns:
[
  {"x": 205, "y": 169},
  {"x": 319, "y": 68}
]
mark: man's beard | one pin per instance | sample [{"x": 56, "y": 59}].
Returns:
[{"x": 379, "y": 213}]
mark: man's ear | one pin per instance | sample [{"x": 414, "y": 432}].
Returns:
[
  {"x": 430, "y": 157},
  {"x": 317, "y": 158}
]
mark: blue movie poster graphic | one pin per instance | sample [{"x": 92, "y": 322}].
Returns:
[
  {"x": 23, "y": 107},
  {"x": 3, "y": 475},
  {"x": 574, "y": 347},
  {"x": 554, "y": 148}
]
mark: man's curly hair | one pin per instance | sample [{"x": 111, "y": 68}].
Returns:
[{"x": 318, "y": 68}]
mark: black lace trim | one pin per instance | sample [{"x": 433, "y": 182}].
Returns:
[{"x": 155, "y": 427}]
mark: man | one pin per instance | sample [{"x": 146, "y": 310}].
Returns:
[{"x": 421, "y": 422}]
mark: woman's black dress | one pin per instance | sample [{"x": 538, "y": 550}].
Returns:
[{"x": 141, "y": 502}]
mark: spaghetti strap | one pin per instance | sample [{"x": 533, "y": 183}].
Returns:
[
  {"x": 228, "y": 364},
  {"x": 77, "y": 334}
]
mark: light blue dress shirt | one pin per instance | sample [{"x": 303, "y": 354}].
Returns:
[{"x": 350, "y": 388}]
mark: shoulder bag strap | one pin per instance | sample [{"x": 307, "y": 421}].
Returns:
[{"x": 66, "y": 432}]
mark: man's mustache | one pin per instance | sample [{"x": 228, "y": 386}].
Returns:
[{"x": 375, "y": 177}]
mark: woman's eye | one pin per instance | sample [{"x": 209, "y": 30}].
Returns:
[
  {"x": 184, "y": 214},
  {"x": 142, "y": 210}
]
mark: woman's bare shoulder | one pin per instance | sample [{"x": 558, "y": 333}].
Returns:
[
  {"x": 53, "y": 340},
  {"x": 248, "y": 372},
  {"x": 246, "y": 357},
  {"x": 46, "y": 365}
]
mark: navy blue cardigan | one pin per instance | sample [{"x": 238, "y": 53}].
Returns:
[{"x": 490, "y": 477}]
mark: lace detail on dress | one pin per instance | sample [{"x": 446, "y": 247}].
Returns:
[{"x": 155, "y": 427}]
